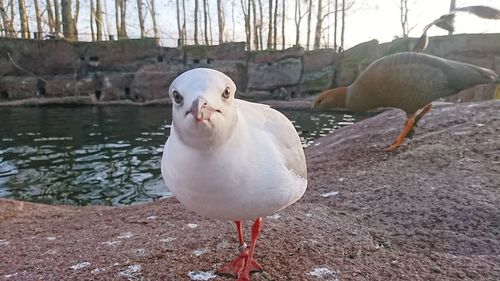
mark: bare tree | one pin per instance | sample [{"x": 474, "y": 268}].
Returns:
[
  {"x": 50, "y": 16},
  {"x": 205, "y": 21},
  {"x": 319, "y": 21},
  {"x": 403, "y": 17},
  {"x": 141, "y": 16},
  {"x": 255, "y": 26},
  {"x": 57, "y": 17},
  {"x": 75, "y": 18},
  {"x": 92, "y": 13},
  {"x": 23, "y": 19},
  {"x": 210, "y": 23},
  {"x": 309, "y": 15},
  {"x": 152, "y": 11},
  {"x": 245, "y": 8},
  {"x": 67, "y": 20},
  {"x": 283, "y": 25},
  {"x": 335, "y": 25},
  {"x": 275, "y": 24},
  {"x": 220, "y": 20},
  {"x": 120, "y": 18},
  {"x": 261, "y": 22},
  {"x": 298, "y": 19},
  {"x": 98, "y": 20},
  {"x": 38, "y": 17},
  {"x": 270, "y": 28},
  {"x": 343, "y": 26},
  {"x": 196, "y": 22},
  {"x": 452, "y": 7},
  {"x": 7, "y": 22},
  {"x": 179, "y": 27},
  {"x": 184, "y": 31}
]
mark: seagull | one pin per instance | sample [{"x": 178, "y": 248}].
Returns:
[
  {"x": 230, "y": 159},
  {"x": 408, "y": 81}
]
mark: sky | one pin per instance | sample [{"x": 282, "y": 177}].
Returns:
[{"x": 366, "y": 20}]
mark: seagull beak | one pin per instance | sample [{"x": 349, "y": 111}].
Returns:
[{"x": 200, "y": 109}]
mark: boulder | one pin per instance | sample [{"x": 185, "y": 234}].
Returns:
[{"x": 152, "y": 81}]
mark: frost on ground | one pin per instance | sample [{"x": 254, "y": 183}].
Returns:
[
  {"x": 4, "y": 242},
  {"x": 111, "y": 243},
  {"x": 125, "y": 235},
  {"x": 329, "y": 194},
  {"x": 199, "y": 252},
  {"x": 324, "y": 273},
  {"x": 79, "y": 266},
  {"x": 274, "y": 217},
  {"x": 200, "y": 275},
  {"x": 10, "y": 275},
  {"x": 131, "y": 270},
  {"x": 97, "y": 270},
  {"x": 192, "y": 225}
]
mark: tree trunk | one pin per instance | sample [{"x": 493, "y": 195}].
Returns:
[
  {"x": 7, "y": 23},
  {"x": 98, "y": 20},
  {"x": 196, "y": 22},
  {"x": 123, "y": 19},
  {"x": 283, "y": 25},
  {"x": 184, "y": 31},
  {"x": 335, "y": 25},
  {"x": 452, "y": 7},
  {"x": 67, "y": 20},
  {"x": 319, "y": 21},
  {"x": 309, "y": 15},
  {"x": 232, "y": 17},
  {"x": 210, "y": 23},
  {"x": 50, "y": 16},
  {"x": 179, "y": 27},
  {"x": 343, "y": 26},
  {"x": 270, "y": 28},
  {"x": 261, "y": 22},
  {"x": 23, "y": 18},
  {"x": 205, "y": 21},
  {"x": 275, "y": 27},
  {"x": 75, "y": 19},
  {"x": 39, "y": 28},
  {"x": 298, "y": 19},
  {"x": 220, "y": 19},
  {"x": 140, "y": 14},
  {"x": 152, "y": 10},
  {"x": 92, "y": 12},
  {"x": 57, "y": 17},
  {"x": 255, "y": 27},
  {"x": 404, "y": 17}
]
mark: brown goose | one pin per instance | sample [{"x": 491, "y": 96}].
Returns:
[{"x": 408, "y": 81}]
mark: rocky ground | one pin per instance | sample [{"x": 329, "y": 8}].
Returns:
[{"x": 428, "y": 211}]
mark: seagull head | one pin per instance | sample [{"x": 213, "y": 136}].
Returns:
[{"x": 203, "y": 110}]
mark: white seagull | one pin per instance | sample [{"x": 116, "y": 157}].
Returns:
[{"x": 229, "y": 159}]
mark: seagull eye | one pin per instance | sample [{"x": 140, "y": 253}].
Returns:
[
  {"x": 226, "y": 93},
  {"x": 177, "y": 98}
]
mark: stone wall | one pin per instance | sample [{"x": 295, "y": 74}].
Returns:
[{"x": 141, "y": 71}]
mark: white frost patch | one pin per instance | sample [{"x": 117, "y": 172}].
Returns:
[
  {"x": 329, "y": 194},
  {"x": 111, "y": 243},
  {"x": 97, "y": 270},
  {"x": 274, "y": 217},
  {"x": 125, "y": 235},
  {"x": 309, "y": 215},
  {"x": 131, "y": 270},
  {"x": 323, "y": 272},
  {"x": 199, "y": 252},
  {"x": 192, "y": 225},
  {"x": 4, "y": 242},
  {"x": 79, "y": 266},
  {"x": 168, "y": 239},
  {"x": 480, "y": 125},
  {"x": 51, "y": 238},
  {"x": 200, "y": 275},
  {"x": 317, "y": 143},
  {"x": 10, "y": 275},
  {"x": 340, "y": 179},
  {"x": 152, "y": 217}
]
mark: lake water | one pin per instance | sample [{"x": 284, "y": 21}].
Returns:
[{"x": 102, "y": 155}]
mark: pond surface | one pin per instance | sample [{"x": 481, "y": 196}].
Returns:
[{"x": 102, "y": 155}]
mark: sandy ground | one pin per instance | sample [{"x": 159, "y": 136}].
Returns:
[{"x": 428, "y": 211}]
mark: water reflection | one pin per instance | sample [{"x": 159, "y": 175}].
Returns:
[{"x": 101, "y": 155}]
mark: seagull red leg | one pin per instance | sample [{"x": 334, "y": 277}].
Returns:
[
  {"x": 235, "y": 268},
  {"x": 250, "y": 264}
]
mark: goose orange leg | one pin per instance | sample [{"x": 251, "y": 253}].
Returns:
[
  {"x": 419, "y": 116},
  {"x": 238, "y": 265},
  {"x": 410, "y": 122}
]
